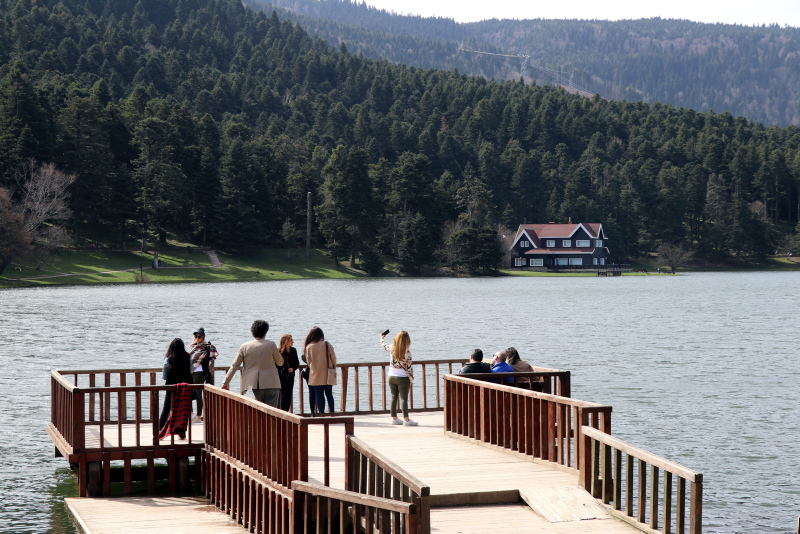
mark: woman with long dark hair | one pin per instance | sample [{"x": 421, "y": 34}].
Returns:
[
  {"x": 178, "y": 370},
  {"x": 319, "y": 355},
  {"x": 400, "y": 374},
  {"x": 287, "y": 371}
]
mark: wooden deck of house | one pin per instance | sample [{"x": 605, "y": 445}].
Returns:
[{"x": 484, "y": 458}]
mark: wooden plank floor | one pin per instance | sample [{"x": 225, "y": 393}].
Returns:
[
  {"x": 173, "y": 515},
  {"x": 450, "y": 466},
  {"x": 111, "y": 435},
  {"x": 454, "y": 466}
]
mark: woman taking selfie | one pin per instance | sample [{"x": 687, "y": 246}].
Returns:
[
  {"x": 400, "y": 374},
  {"x": 320, "y": 357}
]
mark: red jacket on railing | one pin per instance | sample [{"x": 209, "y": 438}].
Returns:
[{"x": 179, "y": 416}]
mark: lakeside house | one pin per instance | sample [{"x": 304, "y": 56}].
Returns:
[{"x": 559, "y": 246}]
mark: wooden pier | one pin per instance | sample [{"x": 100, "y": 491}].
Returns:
[{"x": 485, "y": 458}]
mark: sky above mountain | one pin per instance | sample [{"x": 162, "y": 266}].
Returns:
[{"x": 782, "y": 12}]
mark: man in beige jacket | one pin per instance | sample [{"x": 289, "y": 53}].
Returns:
[{"x": 259, "y": 358}]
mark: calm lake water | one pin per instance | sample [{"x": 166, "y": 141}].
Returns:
[{"x": 702, "y": 369}]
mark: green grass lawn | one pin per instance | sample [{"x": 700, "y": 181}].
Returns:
[{"x": 69, "y": 268}]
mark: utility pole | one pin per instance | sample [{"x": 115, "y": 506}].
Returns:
[
  {"x": 308, "y": 225},
  {"x": 394, "y": 225}
]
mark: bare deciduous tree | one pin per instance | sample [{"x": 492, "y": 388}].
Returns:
[
  {"x": 673, "y": 256},
  {"x": 447, "y": 252},
  {"x": 506, "y": 237},
  {"x": 44, "y": 194},
  {"x": 14, "y": 240}
]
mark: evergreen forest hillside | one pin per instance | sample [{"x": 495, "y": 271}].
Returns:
[
  {"x": 745, "y": 70},
  {"x": 208, "y": 122}
]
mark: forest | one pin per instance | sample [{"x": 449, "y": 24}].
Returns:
[
  {"x": 744, "y": 70},
  {"x": 207, "y": 122}
]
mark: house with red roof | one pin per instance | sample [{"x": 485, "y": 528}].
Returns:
[{"x": 560, "y": 246}]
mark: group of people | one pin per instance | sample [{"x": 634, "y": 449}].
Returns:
[
  {"x": 503, "y": 361},
  {"x": 269, "y": 369}
]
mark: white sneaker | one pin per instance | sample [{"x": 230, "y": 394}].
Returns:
[
  {"x": 397, "y": 421},
  {"x": 196, "y": 418},
  {"x": 410, "y": 423}
]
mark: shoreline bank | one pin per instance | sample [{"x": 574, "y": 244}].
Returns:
[{"x": 183, "y": 265}]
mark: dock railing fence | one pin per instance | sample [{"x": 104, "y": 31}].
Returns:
[
  {"x": 539, "y": 425},
  {"x": 323, "y": 509},
  {"x": 369, "y": 472},
  {"x": 602, "y": 476},
  {"x": 363, "y": 388}
]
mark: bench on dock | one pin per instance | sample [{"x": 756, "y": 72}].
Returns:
[{"x": 274, "y": 471}]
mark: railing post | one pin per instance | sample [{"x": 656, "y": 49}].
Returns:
[
  {"x": 696, "y": 507},
  {"x": 302, "y": 456},
  {"x": 565, "y": 387},
  {"x": 78, "y": 414},
  {"x": 585, "y": 454}
]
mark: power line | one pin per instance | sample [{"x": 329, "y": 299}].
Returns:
[{"x": 556, "y": 76}]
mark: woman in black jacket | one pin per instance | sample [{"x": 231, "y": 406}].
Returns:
[
  {"x": 178, "y": 370},
  {"x": 287, "y": 371}
]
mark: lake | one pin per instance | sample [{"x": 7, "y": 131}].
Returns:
[{"x": 702, "y": 369}]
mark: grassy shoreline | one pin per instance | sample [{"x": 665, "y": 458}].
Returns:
[{"x": 181, "y": 265}]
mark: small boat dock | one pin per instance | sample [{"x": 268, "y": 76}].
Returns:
[{"x": 484, "y": 458}]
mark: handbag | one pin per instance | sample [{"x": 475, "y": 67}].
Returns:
[{"x": 331, "y": 370}]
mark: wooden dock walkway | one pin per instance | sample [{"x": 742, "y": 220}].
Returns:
[
  {"x": 173, "y": 515},
  {"x": 480, "y": 487},
  {"x": 485, "y": 458}
]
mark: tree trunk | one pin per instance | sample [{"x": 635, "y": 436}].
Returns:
[{"x": 3, "y": 265}]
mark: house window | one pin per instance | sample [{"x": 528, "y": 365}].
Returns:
[
  {"x": 525, "y": 244},
  {"x": 598, "y": 243},
  {"x": 519, "y": 262},
  {"x": 602, "y": 261},
  {"x": 537, "y": 262},
  {"x": 567, "y": 243},
  {"x": 594, "y": 262},
  {"x": 582, "y": 243},
  {"x": 551, "y": 243},
  {"x": 576, "y": 261},
  {"x": 562, "y": 261}
]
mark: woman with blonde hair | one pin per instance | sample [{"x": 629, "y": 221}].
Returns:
[
  {"x": 287, "y": 371},
  {"x": 400, "y": 374}
]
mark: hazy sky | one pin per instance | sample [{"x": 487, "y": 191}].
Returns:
[{"x": 747, "y": 12}]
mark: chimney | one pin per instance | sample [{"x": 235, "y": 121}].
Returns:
[{"x": 570, "y": 220}]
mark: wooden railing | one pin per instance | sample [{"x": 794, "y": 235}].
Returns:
[
  {"x": 250, "y": 499},
  {"x": 601, "y": 474},
  {"x": 363, "y": 388},
  {"x": 76, "y": 408},
  {"x": 323, "y": 509},
  {"x": 267, "y": 440},
  {"x": 369, "y": 472},
  {"x": 66, "y": 411},
  {"x": 535, "y": 424},
  {"x": 543, "y": 381}
]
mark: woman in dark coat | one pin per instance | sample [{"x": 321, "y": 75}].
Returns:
[
  {"x": 178, "y": 370},
  {"x": 287, "y": 371}
]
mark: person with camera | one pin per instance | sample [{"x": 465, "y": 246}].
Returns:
[
  {"x": 400, "y": 374},
  {"x": 203, "y": 355}
]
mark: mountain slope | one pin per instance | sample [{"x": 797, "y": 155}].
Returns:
[
  {"x": 207, "y": 122},
  {"x": 748, "y": 71}
]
